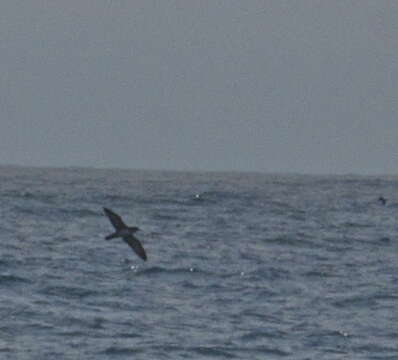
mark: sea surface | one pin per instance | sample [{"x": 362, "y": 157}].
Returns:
[{"x": 240, "y": 266}]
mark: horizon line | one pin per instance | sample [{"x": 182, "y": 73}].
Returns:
[{"x": 233, "y": 171}]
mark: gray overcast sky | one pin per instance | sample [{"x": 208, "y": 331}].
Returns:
[{"x": 271, "y": 86}]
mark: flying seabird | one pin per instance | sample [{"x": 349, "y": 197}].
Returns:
[
  {"x": 125, "y": 232},
  {"x": 382, "y": 200}
]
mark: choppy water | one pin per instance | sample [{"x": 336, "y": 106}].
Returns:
[{"x": 259, "y": 267}]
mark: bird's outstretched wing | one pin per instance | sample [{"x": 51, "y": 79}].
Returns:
[
  {"x": 115, "y": 219},
  {"x": 135, "y": 244}
]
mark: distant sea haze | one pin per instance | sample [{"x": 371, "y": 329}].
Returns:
[{"x": 240, "y": 266}]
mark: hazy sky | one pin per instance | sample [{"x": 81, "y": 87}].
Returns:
[{"x": 271, "y": 86}]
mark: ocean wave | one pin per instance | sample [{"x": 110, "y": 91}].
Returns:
[
  {"x": 122, "y": 350},
  {"x": 69, "y": 291},
  {"x": 158, "y": 270},
  {"x": 9, "y": 279}
]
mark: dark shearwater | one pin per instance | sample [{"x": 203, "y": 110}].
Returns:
[
  {"x": 382, "y": 200},
  {"x": 125, "y": 232}
]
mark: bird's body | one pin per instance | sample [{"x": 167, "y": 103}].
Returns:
[
  {"x": 382, "y": 200},
  {"x": 125, "y": 232}
]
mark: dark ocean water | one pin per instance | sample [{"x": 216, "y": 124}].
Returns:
[{"x": 257, "y": 267}]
